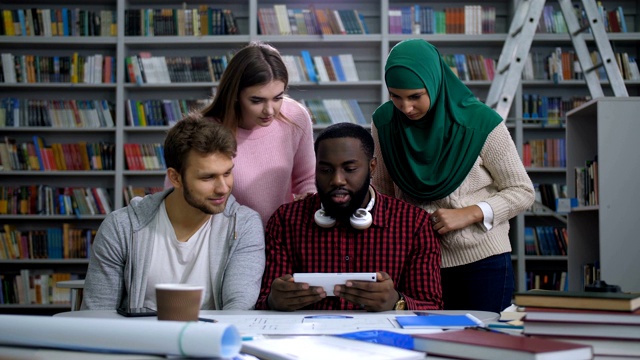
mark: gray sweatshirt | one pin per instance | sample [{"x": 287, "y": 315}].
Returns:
[{"x": 236, "y": 252}]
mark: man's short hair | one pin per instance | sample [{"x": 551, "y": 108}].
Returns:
[
  {"x": 195, "y": 133},
  {"x": 343, "y": 130}
]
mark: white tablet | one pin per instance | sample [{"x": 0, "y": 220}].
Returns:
[{"x": 329, "y": 280}]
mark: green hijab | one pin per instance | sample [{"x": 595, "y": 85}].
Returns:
[{"x": 429, "y": 158}]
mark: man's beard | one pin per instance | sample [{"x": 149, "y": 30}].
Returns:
[
  {"x": 342, "y": 212},
  {"x": 201, "y": 205}
]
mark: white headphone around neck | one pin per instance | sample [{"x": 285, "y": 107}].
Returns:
[{"x": 361, "y": 218}]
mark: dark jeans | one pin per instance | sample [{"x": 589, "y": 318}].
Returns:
[{"x": 485, "y": 285}]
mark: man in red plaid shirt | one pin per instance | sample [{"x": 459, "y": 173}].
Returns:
[{"x": 331, "y": 231}]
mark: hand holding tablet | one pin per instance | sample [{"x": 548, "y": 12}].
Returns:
[{"x": 329, "y": 280}]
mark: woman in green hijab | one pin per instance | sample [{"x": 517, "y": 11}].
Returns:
[{"x": 450, "y": 154}]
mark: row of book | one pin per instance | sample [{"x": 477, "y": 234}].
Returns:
[
  {"x": 548, "y": 110},
  {"x": 36, "y": 156},
  {"x": 47, "y": 200},
  {"x": 628, "y": 66},
  {"x": 205, "y": 20},
  {"x": 552, "y": 21},
  {"x": 319, "y": 68},
  {"x": 281, "y": 20},
  {"x": 586, "y": 183},
  {"x": 144, "y": 156},
  {"x": 608, "y": 322},
  {"x": 417, "y": 19},
  {"x": 546, "y": 280},
  {"x": 613, "y": 20},
  {"x": 69, "y": 114},
  {"x": 130, "y": 191},
  {"x": 278, "y": 20},
  {"x": 64, "y": 242},
  {"x": 58, "y": 22},
  {"x": 590, "y": 274},
  {"x": 332, "y": 111},
  {"x": 562, "y": 65},
  {"x": 547, "y": 194},
  {"x": 147, "y": 69},
  {"x": 544, "y": 153},
  {"x": 545, "y": 240},
  {"x": 471, "y": 66},
  {"x": 156, "y": 112},
  {"x": 74, "y": 69},
  {"x": 35, "y": 286}
]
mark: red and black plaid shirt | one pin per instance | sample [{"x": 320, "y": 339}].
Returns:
[{"x": 400, "y": 242}]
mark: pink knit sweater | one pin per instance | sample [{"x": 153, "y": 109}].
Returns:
[{"x": 274, "y": 162}]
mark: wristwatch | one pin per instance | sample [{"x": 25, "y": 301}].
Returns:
[{"x": 400, "y": 304}]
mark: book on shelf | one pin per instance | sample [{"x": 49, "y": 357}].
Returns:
[
  {"x": 330, "y": 111},
  {"x": 280, "y": 19},
  {"x": 57, "y": 22},
  {"x": 547, "y": 280},
  {"x": 130, "y": 192},
  {"x": 480, "y": 344},
  {"x": 202, "y": 20},
  {"x": 579, "y": 300},
  {"x": 349, "y": 67},
  {"x": 308, "y": 63},
  {"x": 88, "y": 69}
]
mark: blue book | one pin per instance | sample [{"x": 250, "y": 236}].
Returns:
[
  {"x": 365, "y": 29},
  {"x": 308, "y": 63},
  {"x": 38, "y": 143},
  {"x": 61, "y": 204},
  {"x": 23, "y": 25},
  {"x": 526, "y": 106},
  {"x": 623, "y": 22},
  {"x": 437, "y": 321},
  {"x": 65, "y": 22},
  {"x": 337, "y": 66}
]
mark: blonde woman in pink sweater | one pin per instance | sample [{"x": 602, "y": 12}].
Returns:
[{"x": 275, "y": 163}]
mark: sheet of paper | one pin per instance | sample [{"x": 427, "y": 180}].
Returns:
[
  {"x": 299, "y": 324},
  {"x": 325, "y": 347}
]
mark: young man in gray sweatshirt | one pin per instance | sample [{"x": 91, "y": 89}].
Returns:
[{"x": 195, "y": 233}]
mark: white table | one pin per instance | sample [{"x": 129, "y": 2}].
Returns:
[
  {"x": 253, "y": 323},
  {"x": 484, "y": 316}
]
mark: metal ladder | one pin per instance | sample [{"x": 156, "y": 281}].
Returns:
[{"x": 520, "y": 36}]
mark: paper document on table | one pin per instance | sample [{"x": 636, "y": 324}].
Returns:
[
  {"x": 325, "y": 347},
  {"x": 188, "y": 339},
  {"x": 322, "y": 324}
]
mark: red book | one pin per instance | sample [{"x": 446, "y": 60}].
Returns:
[
  {"x": 479, "y": 344},
  {"x": 129, "y": 157}
]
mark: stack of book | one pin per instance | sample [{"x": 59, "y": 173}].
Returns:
[
  {"x": 609, "y": 322},
  {"x": 480, "y": 343}
]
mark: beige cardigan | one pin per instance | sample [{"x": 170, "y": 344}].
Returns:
[{"x": 497, "y": 177}]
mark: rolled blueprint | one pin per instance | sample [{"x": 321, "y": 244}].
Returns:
[{"x": 188, "y": 339}]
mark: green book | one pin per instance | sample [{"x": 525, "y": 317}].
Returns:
[{"x": 579, "y": 300}]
